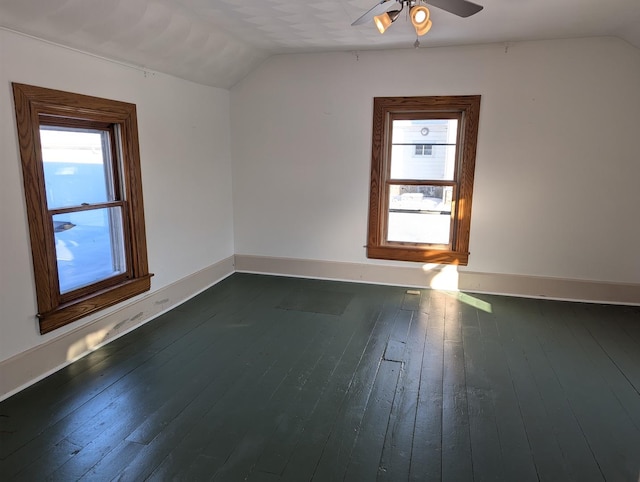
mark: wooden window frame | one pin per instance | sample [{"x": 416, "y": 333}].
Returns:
[
  {"x": 465, "y": 108},
  {"x": 36, "y": 106}
]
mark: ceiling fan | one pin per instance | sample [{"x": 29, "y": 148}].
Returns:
[{"x": 385, "y": 12}]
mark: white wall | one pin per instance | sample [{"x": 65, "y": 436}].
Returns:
[
  {"x": 557, "y": 186},
  {"x": 186, "y": 173}
]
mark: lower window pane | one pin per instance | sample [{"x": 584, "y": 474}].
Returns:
[
  {"x": 419, "y": 214},
  {"x": 89, "y": 247}
]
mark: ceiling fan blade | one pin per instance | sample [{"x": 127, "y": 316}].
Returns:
[
  {"x": 377, "y": 9},
  {"x": 461, "y": 8}
]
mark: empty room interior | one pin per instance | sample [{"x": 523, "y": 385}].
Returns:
[{"x": 334, "y": 240}]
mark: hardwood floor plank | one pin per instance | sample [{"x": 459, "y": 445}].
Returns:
[
  {"x": 515, "y": 452},
  {"x": 182, "y": 388},
  {"x": 119, "y": 421},
  {"x": 56, "y": 403},
  {"x": 283, "y": 440},
  {"x": 289, "y": 425},
  {"x": 574, "y": 447},
  {"x": 486, "y": 453},
  {"x": 322, "y": 420},
  {"x": 110, "y": 465},
  {"x": 115, "y": 392},
  {"x": 519, "y": 348},
  {"x": 452, "y": 322},
  {"x": 426, "y": 453},
  {"x": 515, "y": 448},
  {"x": 456, "y": 442},
  {"x": 626, "y": 317},
  {"x": 261, "y": 423},
  {"x": 411, "y": 300},
  {"x": 401, "y": 327},
  {"x": 189, "y": 422},
  {"x": 610, "y": 362},
  {"x": 94, "y": 451},
  {"x": 206, "y": 460},
  {"x": 619, "y": 347},
  {"x": 367, "y": 450},
  {"x": 395, "y": 462},
  {"x": 208, "y": 369},
  {"x": 259, "y": 476},
  {"x": 612, "y": 437},
  {"x": 339, "y": 445},
  {"x": 50, "y": 460}
]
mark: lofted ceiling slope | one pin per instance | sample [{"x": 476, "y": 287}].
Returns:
[{"x": 217, "y": 42}]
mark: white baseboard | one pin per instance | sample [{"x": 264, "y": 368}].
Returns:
[
  {"x": 28, "y": 367},
  {"x": 446, "y": 278},
  {"x": 551, "y": 288}
]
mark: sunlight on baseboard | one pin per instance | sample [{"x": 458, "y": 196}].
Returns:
[
  {"x": 446, "y": 279},
  {"x": 88, "y": 343}
]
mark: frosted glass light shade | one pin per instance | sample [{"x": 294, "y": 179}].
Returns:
[
  {"x": 382, "y": 22},
  {"x": 420, "y": 31},
  {"x": 420, "y": 19}
]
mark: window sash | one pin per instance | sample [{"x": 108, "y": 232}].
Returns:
[
  {"x": 451, "y": 215},
  {"x": 119, "y": 237},
  {"x": 113, "y": 165}
]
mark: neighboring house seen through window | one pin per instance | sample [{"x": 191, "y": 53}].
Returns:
[
  {"x": 81, "y": 170},
  {"x": 424, "y": 150},
  {"x": 422, "y": 169}
]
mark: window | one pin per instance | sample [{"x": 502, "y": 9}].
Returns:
[
  {"x": 422, "y": 167},
  {"x": 424, "y": 150},
  {"x": 83, "y": 189}
]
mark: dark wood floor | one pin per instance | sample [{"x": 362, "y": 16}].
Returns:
[{"x": 266, "y": 378}]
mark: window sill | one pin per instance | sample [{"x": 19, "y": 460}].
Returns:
[
  {"x": 421, "y": 255},
  {"x": 74, "y": 310}
]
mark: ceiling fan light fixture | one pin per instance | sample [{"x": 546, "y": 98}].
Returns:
[
  {"x": 418, "y": 12},
  {"x": 420, "y": 31},
  {"x": 419, "y": 16},
  {"x": 383, "y": 21}
]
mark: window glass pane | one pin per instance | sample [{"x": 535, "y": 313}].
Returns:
[
  {"x": 89, "y": 246},
  {"x": 424, "y": 149},
  {"x": 419, "y": 214},
  {"x": 77, "y": 166}
]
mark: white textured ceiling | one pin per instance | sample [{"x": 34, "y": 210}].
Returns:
[{"x": 217, "y": 42}]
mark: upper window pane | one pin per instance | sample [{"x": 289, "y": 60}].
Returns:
[
  {"x": 77, "y": 166},
  {"x": 424, "y": 149}
]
